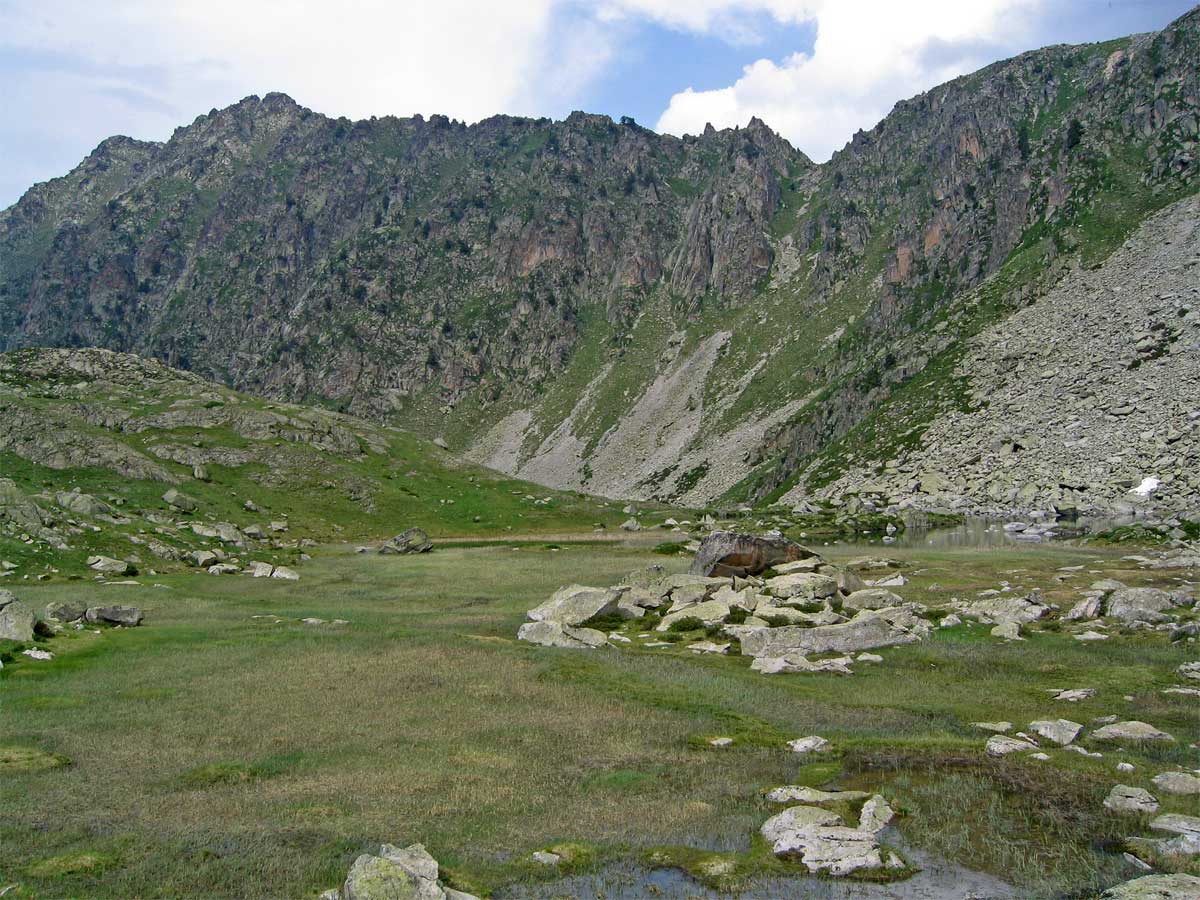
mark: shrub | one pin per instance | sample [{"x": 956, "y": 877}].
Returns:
[{"x": 687, "y": 623}]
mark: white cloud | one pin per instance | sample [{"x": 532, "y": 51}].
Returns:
[
  {"x": 867, "y": 55},
  {"x": 76, "y": 71}
]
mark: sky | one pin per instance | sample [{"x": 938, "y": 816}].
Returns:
[{"x": 73, "y": 72}]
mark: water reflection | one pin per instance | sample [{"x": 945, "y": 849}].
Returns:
[{"x": 986, "y": 534}]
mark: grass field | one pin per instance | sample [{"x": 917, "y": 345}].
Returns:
[{"x": 213, "y": 754}]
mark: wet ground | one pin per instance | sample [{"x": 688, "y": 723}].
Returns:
[{"x": 936, "y": 881}]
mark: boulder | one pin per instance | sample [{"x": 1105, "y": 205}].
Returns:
[
  {"x": 82, "y": 504},
  {"x": 797, "y": 817},
  {"x": 576, "y": 603},
  {"x": 710, "y": 612},
  {"x": 16, "y": 619},
  {"x": 871, "y": 598},
  {"x": 65, "y": 611},
  {"x": 261, "y": 569},
  {"x": 1130, "y": 731},
  {"x": 553, "y": 634},
  {"x": 999, "y": 745},
  {"x": 1126, "y": 799},
  {"x": 818, "y": 839},
  {"x": 110, "y": 566},
  {"x": 1156, "y": 887},
  {"x": 1177, "y": 783},
  {"x": 1009, "y": 631},
  {"x": 732, "y": 553},
  {"x": 202, "y": 559},
  {"x": 848, "y": 580},
  {"x": 811, "y": 564},
  {"x": 1087, "y": 608},
  {"x": 115, "y": 615},
  {"x": 867, "y": 630},
  {"x": 411, "y": 540},
  {"x": 1061, "y": 731},
  {"x": 395, "y": 874},
  {"x": 286, "y": 574},
  {"x": 797, "y": 662},
  {"x": 1008, "y": 609},
  {"x": 803, "y": 587},
  {"x": 180, "y": 501},
  {"x": 876, "y": 814},
  {"x": 814, "y": 743},
  {"x": 812, "y": 796},
  {"x": 1139, "y": 604},
  {"x": 223, "y": 569}
]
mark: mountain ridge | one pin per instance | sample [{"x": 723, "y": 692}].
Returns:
[{"x": 591, "y": 304}]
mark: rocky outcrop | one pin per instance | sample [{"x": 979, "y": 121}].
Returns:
[{"x": 796, "y": 609}]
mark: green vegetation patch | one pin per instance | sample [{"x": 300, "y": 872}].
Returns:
[
  {"x": 29, "y": 759},
  {"x": 72, "y": 864}
]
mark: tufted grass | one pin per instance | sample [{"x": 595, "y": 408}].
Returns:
[{"x": 219, "y": 755}]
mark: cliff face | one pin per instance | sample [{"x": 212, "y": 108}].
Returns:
[
  {"x": 295, "y": 254},
  {"x": 589, "y": 303}
]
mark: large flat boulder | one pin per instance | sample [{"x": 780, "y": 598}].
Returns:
[
  {"x": 1133, "y": 604},
  {"x": 1156, "y": 887},
  {"x": 576, "y": 603},
  {"x": 110, "y": 566},
  {"x": 863, "y": 632},
  {"x": 1022, "y": 610},
  {"x": 802, "y": 587},
  {"x": 553, "y": 634},
  {"x": 115, "y": 615},
  {"x": 710, "y": 612},
  {"x": 1130, "y": 731},
  {"x": 871, "y": 598},
  {"x": 733, "y": 553}
]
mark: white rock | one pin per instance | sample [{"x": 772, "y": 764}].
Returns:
[
  {"x": 811, "y": 744},
  {"x": 876, "y": 814},
  {"x": 1130, "y": 731},
  {"x": 1061, "y": 731},
  {"x": 999, "y": 745},
  {"x": 1124, "y": 798},
  {"x": 1177, "y": 783}
]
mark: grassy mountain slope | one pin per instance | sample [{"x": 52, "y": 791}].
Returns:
[{"x": 93, "y": 440}]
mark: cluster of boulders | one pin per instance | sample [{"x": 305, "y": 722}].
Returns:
[
  {"x": 19, "y": 622},
  {"x": 820, "y": 839},
  {"x": 395, "y": 873},
  {"x": 1064, "y": 732},
  {"x": 779, "y": 600},
  {"x": 1123, "y": 798}
]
